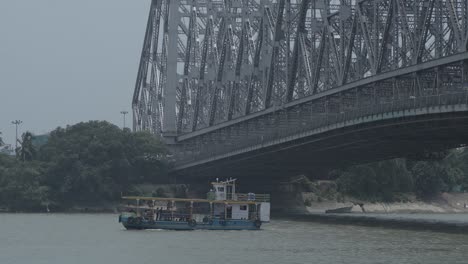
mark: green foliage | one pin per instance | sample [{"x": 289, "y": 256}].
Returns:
[
  {"x": 21, "y": 185},
  {"x": 40, "y": 140},
  {"x": 97, "y": 161},
  {"x": 27, "y": 151},
  {"x": 377, "y": 181},
  {"x": 432, "y": 174},
  {"x": 428, "y": 178},
  {"x": 160, "y": 193},
  {"x": 87, "y": 163},
  {"x": 180, "y": 191}
]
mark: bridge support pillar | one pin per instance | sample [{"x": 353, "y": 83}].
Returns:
[{"x": 169, "y": 121}]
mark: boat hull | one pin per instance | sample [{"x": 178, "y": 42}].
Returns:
[{"x": 215, "y": 224}]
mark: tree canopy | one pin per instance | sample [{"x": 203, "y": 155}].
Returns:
[
  {"x": 444, "y": 171},
  {"x": 81, "y": 164}
]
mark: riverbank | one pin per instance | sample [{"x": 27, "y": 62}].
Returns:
[
  {"x": 445, "y": 212},
  {"x": 442, "y": 203}
]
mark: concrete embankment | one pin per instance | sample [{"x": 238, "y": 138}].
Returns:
[{"x": 375, "y": 221}]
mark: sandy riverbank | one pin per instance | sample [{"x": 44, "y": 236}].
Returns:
[
  {"x": 302, "y": 204},
  {"x": 443, "y": 203}
]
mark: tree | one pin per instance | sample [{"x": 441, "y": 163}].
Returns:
[
  {"x": 428, "y": 180},
  {"x": 457, "y": 168},
  {"x": 27, "y": 151},
  {"x": 1, "y": 140},
  {"x": 359, "y": 181},
  {"x": 21, "y": 185},
  {"x": 96, "y": 161},
  {"x": 376, "y": 181},
  {"x": 79, "y": 165}
]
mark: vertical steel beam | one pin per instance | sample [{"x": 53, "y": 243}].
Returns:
[
  {"x": 170, "y": 93},
  {"x": 295, "y": 56},
  {"x": 349, "y": 51},
  {"x": 137, "y": 111},
  {"x": 385, "y": 37},
  {"x": 219, "y": 75},
  {"x": 276, "y": 47},
  {"x": 318, "y": 66},
  {"x": 186, "y": 81},
  {"x": 256, "y": 63},
  {"x": 201, "y": 78}
]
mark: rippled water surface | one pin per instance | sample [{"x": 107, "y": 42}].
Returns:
[
  {"x": 450, "y": 218},
  {"x": 81, "y": 238}
]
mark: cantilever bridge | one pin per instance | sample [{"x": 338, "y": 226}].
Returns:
[{"x": 275, "y": 87}]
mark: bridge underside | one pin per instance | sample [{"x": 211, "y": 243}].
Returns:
[
  {"x": 413, "y": 136},
  {"x": 405, "y": 112}
]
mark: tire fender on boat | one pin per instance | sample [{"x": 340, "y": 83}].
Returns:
[
  {"x": 258, "y": 223},
  {"x": 138, "y": 221},
  {"x": 192, "y": 223}
]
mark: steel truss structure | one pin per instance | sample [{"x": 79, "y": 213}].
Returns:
[
  {"x": 443, "y": 89},
  {"x": 206, "y": 62}
]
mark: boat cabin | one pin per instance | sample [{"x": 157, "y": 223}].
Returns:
[{"x": 226, "y": 191}]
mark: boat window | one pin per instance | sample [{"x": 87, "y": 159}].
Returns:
[
  {"x": 243, "y": 207},
  {"x": 220, "y": 189}
]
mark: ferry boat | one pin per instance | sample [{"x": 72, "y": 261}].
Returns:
[{"x": 223, "y": 209}]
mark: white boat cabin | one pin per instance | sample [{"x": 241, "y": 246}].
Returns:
[{"x": 257, "y": 206}]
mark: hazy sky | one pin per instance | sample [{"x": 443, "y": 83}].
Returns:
[{"x": 66, "y": 61}]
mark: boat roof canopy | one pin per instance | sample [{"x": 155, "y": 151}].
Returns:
[{"x": 142, "y": 198}]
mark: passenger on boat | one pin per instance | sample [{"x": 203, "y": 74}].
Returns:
[
  {"x": 160, "y": 214},
  {"x": 157, "y": 213}
]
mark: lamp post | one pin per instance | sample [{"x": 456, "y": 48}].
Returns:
[
  {"x": 16, "y": 123},
  {"x": 124, "y": 113}
]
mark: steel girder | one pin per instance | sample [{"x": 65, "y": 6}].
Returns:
[
  {"x": 441, "y": 85},
  {"x": 210, "y": 61}
]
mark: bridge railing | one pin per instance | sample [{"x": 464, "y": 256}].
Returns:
[{"x": 312, "y": 122}]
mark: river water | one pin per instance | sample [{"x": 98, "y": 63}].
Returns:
[
  {"x": 86, "y": 238},
  {"x": 447, "y": 218}
]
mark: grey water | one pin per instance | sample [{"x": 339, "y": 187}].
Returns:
[
  {"x": 448, "y": 218},
  {"x": 432, "y": 217},
  {"x": 91, "y": 238}
]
